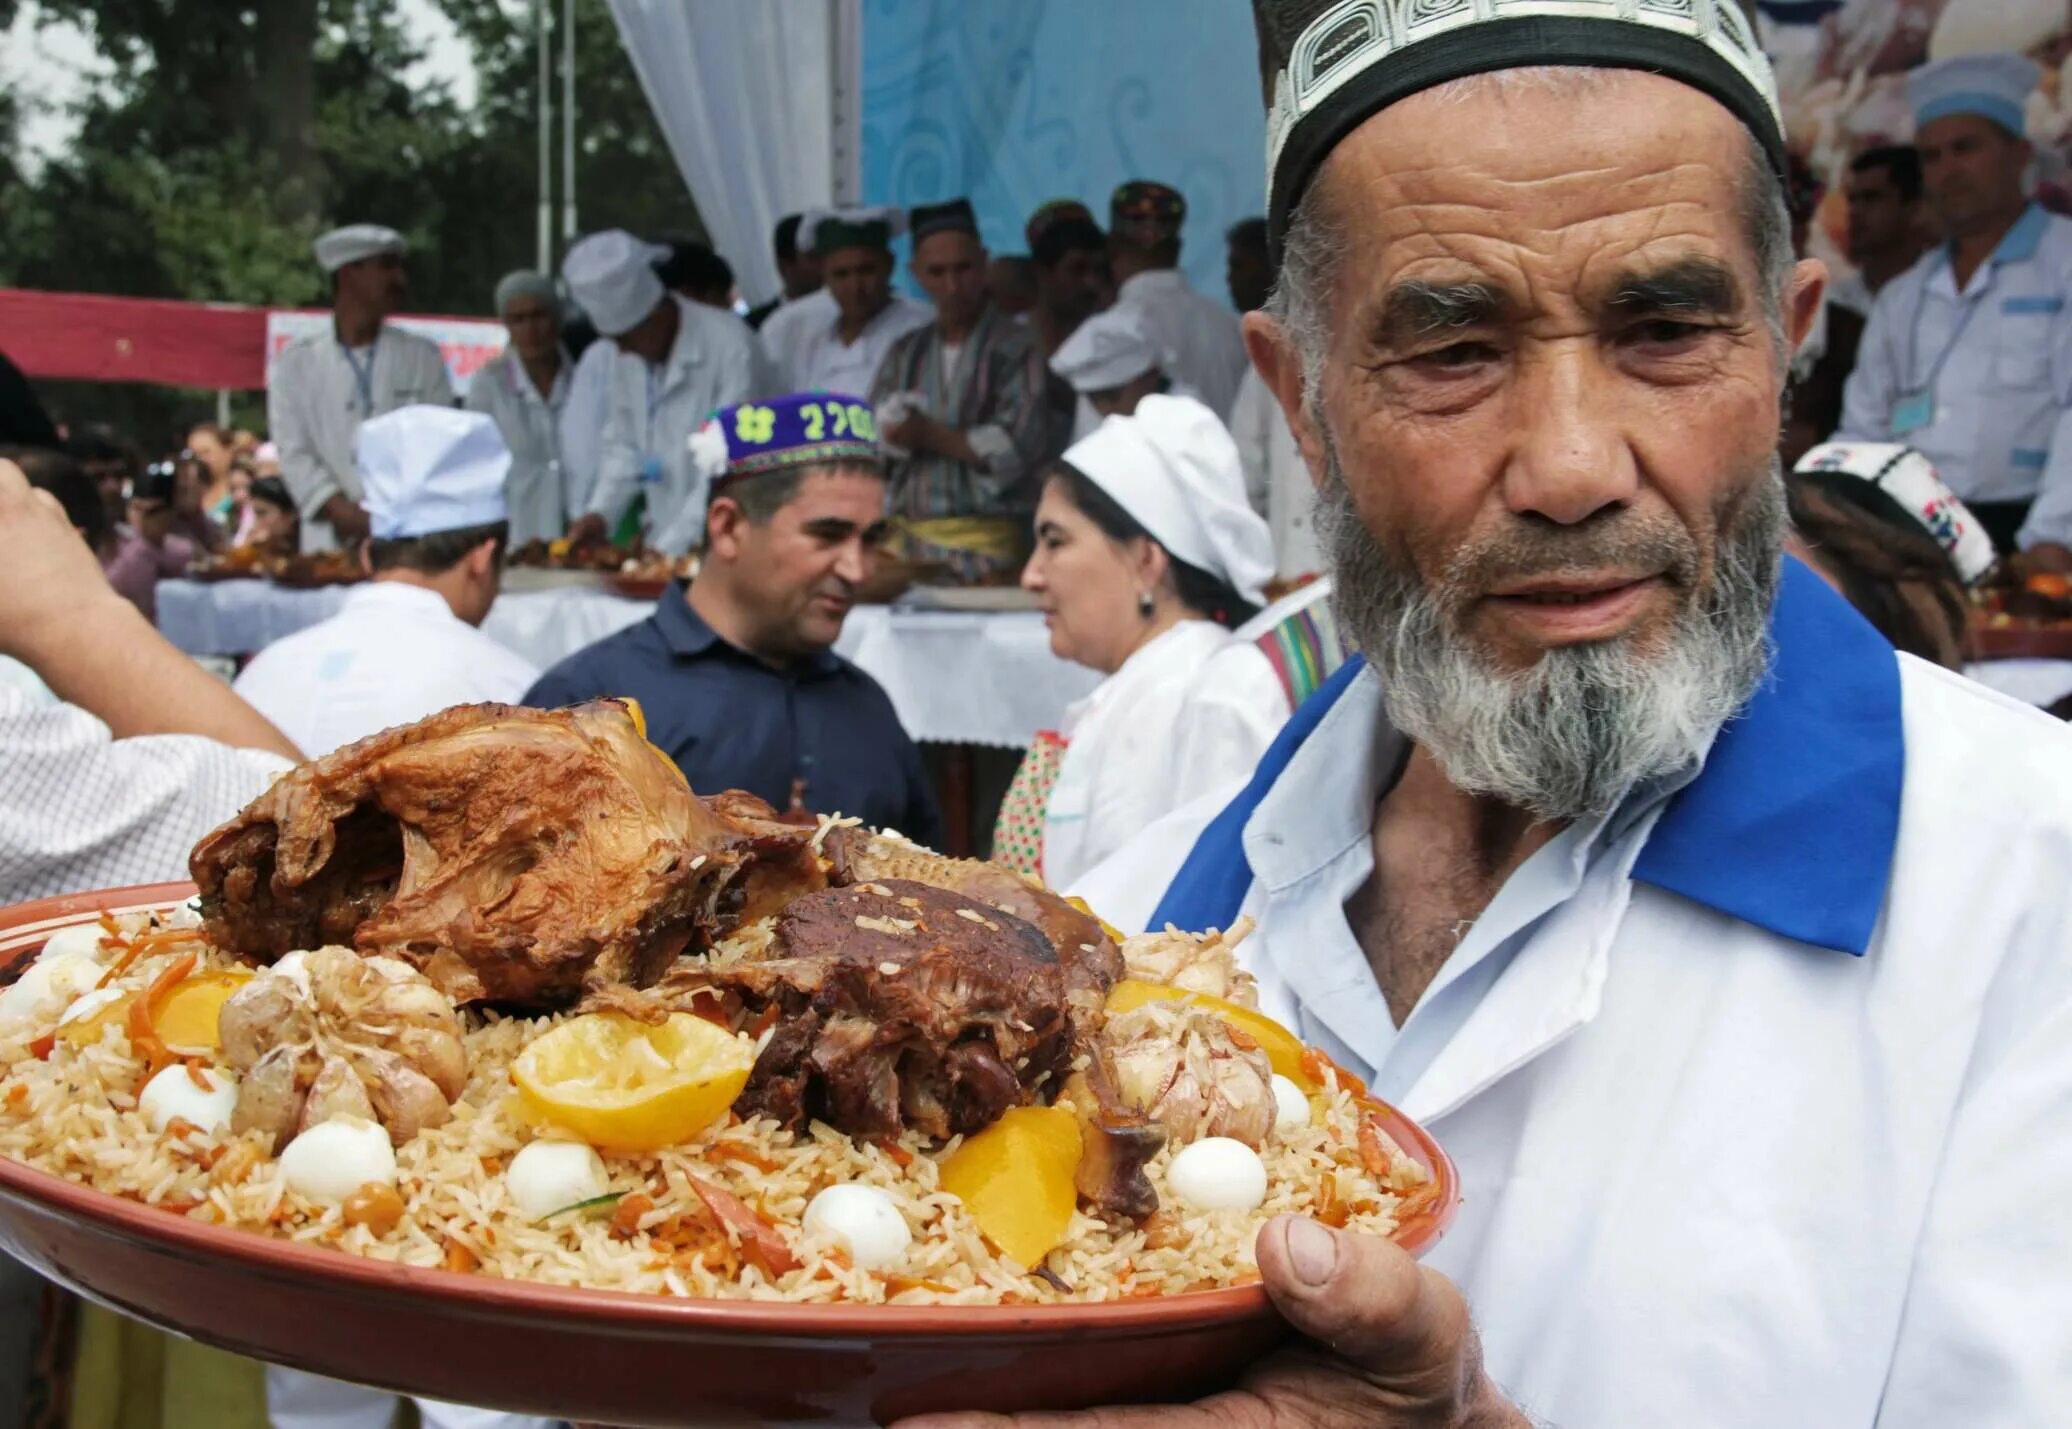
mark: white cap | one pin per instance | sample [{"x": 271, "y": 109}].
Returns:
[
  {"x": 1175, "y": 469},
  {"x": 612, "y": 275},
  {"x": 1911, "y": 480},
  {"x": 426, "y": 469},
  {"x": 1995, "y": 87},
  {"x": 1107, "y": 350},
  {"x": 356, "y": 241}
]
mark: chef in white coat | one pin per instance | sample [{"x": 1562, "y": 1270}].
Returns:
[
  {"x": 326, "y": 384},
  {"x": 1276, "y": 478},
  {"x": 835, "y": 340},
  {"x": 407, "y": 643},
  {"x": 1146, "y": 559},
  {"x": 1197, "y": 334},
  {"x": 1968, "y": 354},
  {"x": 1111, "y": 363},
  {"x": 680, "y": 362},
  {"x": 525, "y": 390},
  {"x": 1722, "y": 947}
]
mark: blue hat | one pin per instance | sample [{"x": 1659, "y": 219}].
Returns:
[
  {"x": 772, "y": 433},
  {"x": 1995, "y": 87}
]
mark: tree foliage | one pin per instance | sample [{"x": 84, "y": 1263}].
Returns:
[{"x": 227, "y": 135}]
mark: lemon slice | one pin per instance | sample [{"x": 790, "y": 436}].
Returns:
[{"x": 626, "y": 1086}]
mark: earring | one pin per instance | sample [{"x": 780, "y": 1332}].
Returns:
[{"x": 1145, "y": 604}]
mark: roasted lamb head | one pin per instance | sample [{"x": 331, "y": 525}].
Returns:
[
  {"x": 897, "y": 1005},
  {"x": 513, "y": 855}
]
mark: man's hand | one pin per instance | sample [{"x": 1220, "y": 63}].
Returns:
[
  {"x": 348, "y": 519},
  {"x": 915, "y": 432},
  {"x": 588, "y": 530},
  {"x": 1388, "y": 1346},
  {"x": 51, "y": 574}
]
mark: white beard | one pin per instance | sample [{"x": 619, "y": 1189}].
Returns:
[{"x": 1568, "y": 737}]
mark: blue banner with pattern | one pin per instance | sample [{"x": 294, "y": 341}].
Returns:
[{"x": 1011, "y": 104}]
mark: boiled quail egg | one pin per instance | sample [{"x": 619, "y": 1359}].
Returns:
[
  {"x": 81, "y": 940},
  {"x": 173, "y": 1094},
  {"x": 58, "y": 979},
  {"x": 335, "y": 1158},
  {"x": 550, "y": 1176},
  {"x": 1290, "y": 1107},
  {"x": 1218, "y": 1173},
  {"x": 864, "y": 1220}
]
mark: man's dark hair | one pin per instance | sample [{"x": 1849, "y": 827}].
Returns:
[
  {"x": 1199, "y": 591},
  {"x": 763, "y": 495},
  {"x": 97, "y": 441},
  {"x": 694, "y": 268},
  {"x": 274, "y": 492},
  {"x": 1067, "y": 235},
  {"x": 436, "y": 553},
  {"x": 61, "y": 475},
  {"x": 1901, "y": 163},
  {"x": 1247, "y": 233},
  {"x": 787, "y": 237}
]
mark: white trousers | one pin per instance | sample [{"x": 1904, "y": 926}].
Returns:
[{"x": 297, "y": 1400}]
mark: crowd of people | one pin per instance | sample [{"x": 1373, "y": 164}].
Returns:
[{"x": 1586, "y": 820}]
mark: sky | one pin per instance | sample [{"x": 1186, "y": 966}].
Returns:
[{"x": 50, "y": 67}]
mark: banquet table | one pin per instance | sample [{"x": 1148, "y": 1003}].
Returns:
[{"x": 955, "y": 677}]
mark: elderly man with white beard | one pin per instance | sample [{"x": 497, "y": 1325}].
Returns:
[{"x": 1725, "y": 949}]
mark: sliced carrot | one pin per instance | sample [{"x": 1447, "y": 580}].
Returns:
[
  {"x": 900, "y": 1284},
  {"x": 18, "y": 1096},
  {"x": 43, "y": 1046},
  {"x": 747, "y": 1155},
  {"x": 143, "y": 1014},
  {"x": 197, "y": 1072},
  {"x": 895, "y": 1153},
  {"x": 626, "y": 1216},
  {"x": 760, "y": 1244},
  {"x": 459, "y": 1257},
  {"x": 1315, "y": 1063}
]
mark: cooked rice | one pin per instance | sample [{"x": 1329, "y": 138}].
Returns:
[{"x": 72, "y": 1112}]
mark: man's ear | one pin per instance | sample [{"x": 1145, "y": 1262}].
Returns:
[
  {"x": 1279, "y": 363},
  {"x": 725, "y": 523},
  {"x": 1803, "y": 297},
  {"x": 482, "y": 560}
]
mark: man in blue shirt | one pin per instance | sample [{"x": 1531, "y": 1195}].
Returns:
[{"x": 735, "y": 670}]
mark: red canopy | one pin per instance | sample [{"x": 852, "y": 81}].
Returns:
[{"x": 102, "y": 339}]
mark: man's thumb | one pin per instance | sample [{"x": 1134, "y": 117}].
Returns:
[{"x": 1402, "y": 1327}]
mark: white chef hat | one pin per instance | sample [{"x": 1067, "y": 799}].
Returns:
[
  {"x": 612, "y": 274},
  {"x": 824, "y": 231},
  {"x": 356, "y": 241},
  {"x": 1910, "y": 481},
  {"x": 1995, "y": 87},
  {"x": 1173, "y": 467},
  {"x": 425, "y": 469},
  {"x": 1107, "y": 350}
]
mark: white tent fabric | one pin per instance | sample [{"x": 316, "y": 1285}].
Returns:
[{"x": 758, "y": 104}]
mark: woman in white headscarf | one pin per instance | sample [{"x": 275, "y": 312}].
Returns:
[
  {"x": 524, "y": 389},
  {"x": 1147, "y": 557}
]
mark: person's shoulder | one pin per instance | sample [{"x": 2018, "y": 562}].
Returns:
[
  {"x": 1977, "y": 754},
  {"x": 599, "y": 667},
  {"x": 717, "y": 326},
  {"x": 416, "y": 344}
]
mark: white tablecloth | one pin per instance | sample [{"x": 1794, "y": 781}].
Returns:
[
  {"x": 241, "y": 617},
  {"x": 957, "y": 677},
  {"x": 965, "y": 677}
]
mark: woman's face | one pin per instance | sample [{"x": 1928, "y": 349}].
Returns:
[
  {"x": 1087, "y": 583},
  {"x": 240, "y": 486},
  {"x": 214, "y": 454},
  {"x": 272, "y": 526}
]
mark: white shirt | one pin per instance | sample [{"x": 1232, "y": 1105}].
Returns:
[
  {"x": 582, "y": 422},
  {"x": 531, "y": 425},
  {"x": 393, "y": 654},
  {"x": 1276, "y": 477},
  {"x": 1200, "y": 335},
  {"x": 1190, "y": 711},
  {"x": 822, "y": 362},
  {"x": 1997, "y": 411},
  {"x": 316, "y": 403},
  {"x": 80, "y": 809},
  {"x": 1713, "y": 1175},
  {"x": 654, "y": 410},
  {"x": 786, "y": 332}
]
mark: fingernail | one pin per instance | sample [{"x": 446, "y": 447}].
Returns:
[{"x": 1312, "y": 1250}]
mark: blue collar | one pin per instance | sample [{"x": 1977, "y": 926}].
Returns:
[
  {"x": 2019, "y": 243},
  {"x": 1790, "y": 826}
]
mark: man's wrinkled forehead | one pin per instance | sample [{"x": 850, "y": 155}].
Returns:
[{"x": 1529, "y": 188}]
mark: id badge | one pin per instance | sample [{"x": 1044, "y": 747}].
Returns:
[
  {"x": 650, "y": 471},
  {"x": 1913, "y": 412}
]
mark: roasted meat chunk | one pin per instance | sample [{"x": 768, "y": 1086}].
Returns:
[
  {"x": 897, "y": 1005},
  {"x": 513, "y": 855}
]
